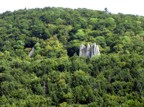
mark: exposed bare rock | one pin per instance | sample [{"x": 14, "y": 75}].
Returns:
[
  {"x": 31, "y": 52},
  {"x": 97, "y": 50},
  {"x": 82, "y": 50},
  {"x": 89, "y": 51},
  {"x": 94, "y": 50}
]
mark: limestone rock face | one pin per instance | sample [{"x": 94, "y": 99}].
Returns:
[
  {"x": 82, "y": 50},
  {"x": 89, "y": 51},
  {"x": 97, "y": 50},
  {"x": 31, "y": 52}
]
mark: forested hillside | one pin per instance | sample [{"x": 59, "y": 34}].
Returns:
[{"x": 55, "y": 75}]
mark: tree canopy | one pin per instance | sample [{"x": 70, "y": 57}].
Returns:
[{"x": 55, "y": 75}]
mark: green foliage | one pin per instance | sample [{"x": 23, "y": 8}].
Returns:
[{"x": 55, "y": 75}]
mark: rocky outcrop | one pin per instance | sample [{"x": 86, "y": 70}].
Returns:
[
  {"x": 31, "y": 52},
  {"x": 89, "y": 51},
  {"x": 82, "y": 50}
]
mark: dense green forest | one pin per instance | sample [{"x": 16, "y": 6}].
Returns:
[{"x": 55, "y": 76}]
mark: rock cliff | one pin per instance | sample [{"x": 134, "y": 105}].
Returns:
[
  {"x": 31, "y": 52},
  {"x": 89, "y": 50}
]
